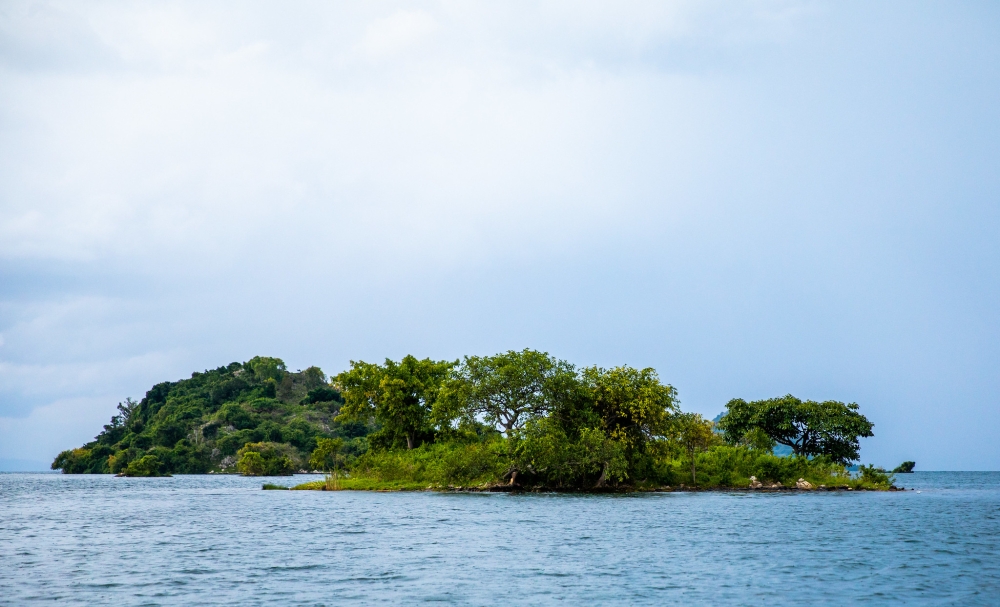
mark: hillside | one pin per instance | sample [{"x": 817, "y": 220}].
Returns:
[{"x": 197, "y": 425}]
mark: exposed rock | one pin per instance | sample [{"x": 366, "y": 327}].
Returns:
[
  {"x": 754, "y": 483},
  {"x": 803, "y": 484}
]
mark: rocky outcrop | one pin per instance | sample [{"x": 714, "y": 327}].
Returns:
[
  {"x": 803, "y": 484},
  {"x": 754, "y": 483}
]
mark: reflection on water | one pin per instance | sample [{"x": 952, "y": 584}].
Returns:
[{"x": 221, "y": 540}]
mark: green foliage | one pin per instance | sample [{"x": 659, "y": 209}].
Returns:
[
  {"x": 196, "y": 425},
  {"x": 523, "y": 419},
  {"x": 398, "y": 397},
  {"x": 327, "y": 456},
  {"x": 904, "y": 468},
  {"x": 633, "y": 406},
  {"x": 543, "y": 454},
  {"x": 265, "y": 368},
  {"x": 77, "y": 461},
  {"x": 273, "y": 487},
  {"x": 876, "y": 477},
  {"x": 511, "y": 388},
  {"x": 810, "y": 428},
  {"x": 264, "y": 459},
  {"x": 147, "y": 465},
  {"x": 732, "y": 466},
  {"x": 324, "y": 394},
  {"x": 453, "y": 463},
  {"x": 694, "y": 435}
]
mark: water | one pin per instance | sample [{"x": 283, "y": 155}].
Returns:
[{"x": 99, "y": 540}]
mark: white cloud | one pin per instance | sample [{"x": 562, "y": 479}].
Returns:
[
  {"x": 216, "y": 133},
  {"x": 49, "y": 429},
  {"x": 398, "y": 32},
  {"x": 186, "y": 184}
]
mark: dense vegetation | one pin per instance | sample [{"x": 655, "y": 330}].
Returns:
[
  {"x": 206, "y": 423},
  {"x": 517, "y": 420}
]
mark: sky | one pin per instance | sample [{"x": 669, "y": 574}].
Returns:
[{"x": 754, "y": 198}]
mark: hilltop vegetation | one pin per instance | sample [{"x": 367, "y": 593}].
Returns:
[
  {"x": 200, "y": 424},
  {"x": 517, "y": 419}
]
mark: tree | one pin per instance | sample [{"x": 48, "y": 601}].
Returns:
[
  {"x": 509, "y": 389},
  {"x": 810, "y": 428},
  {"x": 147, "y": 465},
  {"x": 326, "y": 457},
  {"x": 399, "y": 396},
  {"x": 694, "y": 434},
  {"x": 251, "y": 464},
  {"x": 904, "y": 468},
  {"x": 546, "y": 453},
  {"x": 264, "y": 459},
  {"x": 265, "y": 367},
  {"x": 633, "y": 405}
]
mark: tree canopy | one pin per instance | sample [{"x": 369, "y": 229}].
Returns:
[
  {"x": 810, "y": 428},
  {"x": 511, "y": 388},
  {"x": 518, "y": 419},
  {"x": 632, "y": 404},
  {"x": 200, "y": 424},
  {"x": 398, "y": 397}
]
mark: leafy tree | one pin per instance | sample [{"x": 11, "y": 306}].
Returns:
[
  {"x": 810, "y": 428},
  {"x": 237, "y": 416},
  {"x": 511, "y": 388},
  {"x": 313, "y": 378},
  {"x": 399, "y": 396},
  {"x": 147, "y": 465},
  {"x": 264, "y": 368},
  {"x": 264, "y": 459},
  {"x": 191, "y": 425},
  {"x": 251, "y": 464},
  {"x": 73, "y": 461},
  {"x": 694, "y": 434},
  {"x": 546, "y": 454},
  {"x": 323, "y": 394},
  {"x": 326, "y": 456},
  {"x": 632, "y": 404},
  {"x": 904, "y": 468}
]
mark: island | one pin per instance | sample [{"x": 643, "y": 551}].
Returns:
[{"x": 514, "y": 421}]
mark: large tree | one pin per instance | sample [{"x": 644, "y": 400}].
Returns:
[
  {"x": 632, "y": 404},
  {"x": 507, "y": 390},
  {"x": 397, "y": 396},
  {"x": 810, "y": 428}
]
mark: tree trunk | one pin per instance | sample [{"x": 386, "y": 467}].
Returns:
[
  {"x": 409, "y": 441},
  {"x": 603, "y": 478},
  {"x": 513, "y": 478},
  {"x": 694, "y": 475}
]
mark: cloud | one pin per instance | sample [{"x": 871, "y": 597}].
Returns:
[
  {"x": 752, "y": 197},
  {"x": 398, "y": 32}
]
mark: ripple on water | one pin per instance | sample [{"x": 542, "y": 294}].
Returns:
[{"x": 221, "y": 540}]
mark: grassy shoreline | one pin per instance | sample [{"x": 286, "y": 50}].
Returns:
[{"x": 368, "y": 484}]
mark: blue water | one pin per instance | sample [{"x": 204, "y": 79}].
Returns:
[{"x": 99, "y": 540}]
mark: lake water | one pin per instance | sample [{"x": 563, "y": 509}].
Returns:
[{"x": 99, "y": 540}]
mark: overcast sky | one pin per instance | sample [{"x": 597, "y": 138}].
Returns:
[{"x": 755, "y": 199}]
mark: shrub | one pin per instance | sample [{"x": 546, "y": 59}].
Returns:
[
  {"x": 73, "y": 461},
  {"x": 147, "y": 465},
  {"x": 875, "y": 477},
  {"x": 264, "y": 459}
]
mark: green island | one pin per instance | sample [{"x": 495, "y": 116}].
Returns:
[{"x": 516, "y": 421}]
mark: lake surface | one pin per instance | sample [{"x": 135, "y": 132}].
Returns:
[{"x": 99, "y": 540}]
